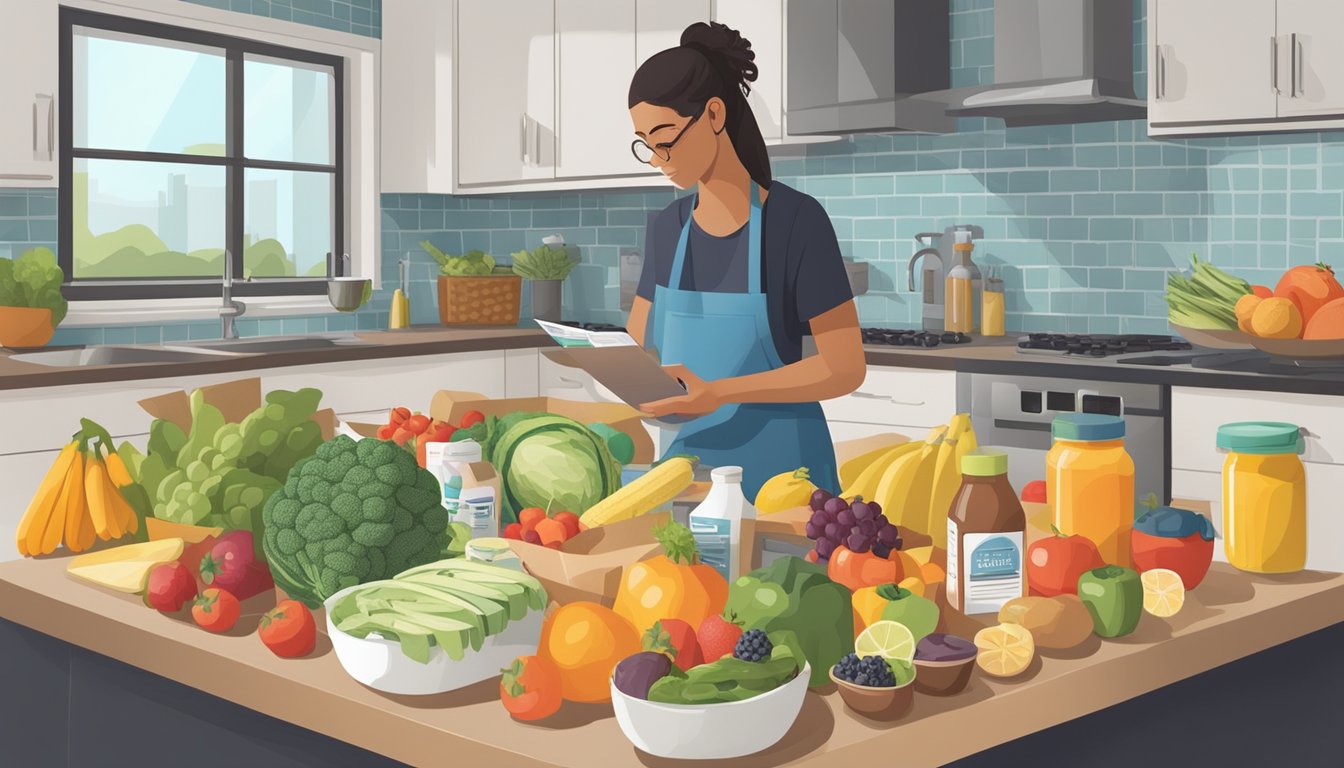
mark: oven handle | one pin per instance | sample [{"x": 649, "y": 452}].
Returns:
[{"x": 872, "y": 396}]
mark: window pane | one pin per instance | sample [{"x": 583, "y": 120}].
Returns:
[
  {"x": 147, "y": 95},
  {"x": 143, "y": 219},
  {"x": 287, "y": 111},
  {"x": 287, "y": 226}
]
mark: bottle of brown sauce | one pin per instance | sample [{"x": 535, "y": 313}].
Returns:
[{"x": 985, "y": 536}]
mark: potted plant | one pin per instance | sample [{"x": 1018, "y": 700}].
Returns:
[
  {"x": 474, "y": 290},
  {"x": 31, "y": 304},
  {"x": 546, "y": 267}
]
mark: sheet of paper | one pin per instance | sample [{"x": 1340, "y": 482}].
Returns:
[{"x": 569, "y": 336}]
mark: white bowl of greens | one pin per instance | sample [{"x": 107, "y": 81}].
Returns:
[{"x": 435, "y": 628}]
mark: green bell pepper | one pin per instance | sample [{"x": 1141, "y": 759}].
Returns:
[{"x": 1114, "y": 597}]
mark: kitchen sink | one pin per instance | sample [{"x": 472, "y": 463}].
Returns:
[
  {"x": 276, "y": 344},
  {"x": 115, "y": 355}
]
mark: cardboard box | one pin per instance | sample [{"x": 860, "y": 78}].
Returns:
[
  {"x": 451, "y": 406},
  {"x": 590, "y": 565}
]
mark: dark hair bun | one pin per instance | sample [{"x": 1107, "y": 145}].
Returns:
[{"x": 726, "y": 49}]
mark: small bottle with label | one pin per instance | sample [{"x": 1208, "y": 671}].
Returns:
[
  {"x": 992, "y": 309},
  {"x": 469, "y": 486},
  {"x": 986, "y": 531},
  {"x": 716, "y": 523},
  {"x": 959, "y": 294}
]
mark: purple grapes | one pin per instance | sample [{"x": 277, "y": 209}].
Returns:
[
  {"x": 868, "y": 528},
  {"x": 857, "y": 542},
  {"x": 825, "y": 547},
  {"x": 819, "y": 499},
  {"x": 833, "y": 531},
  {"x": 881, "y": 550},
  {"x": 846, "y": 518},
  {"x": 813, "y": 532},
  {"x": 822, "y": 519},
  {"x": 861, "y": 510},
  {"x": 877, "y": 509},
  {"x": 834, "y": 506},
  {"x": 888, "y": 536}
]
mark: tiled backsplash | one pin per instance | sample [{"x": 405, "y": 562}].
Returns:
[
  {"x": 360, "y": 17},
  {"x": 1085, "y": 219}
]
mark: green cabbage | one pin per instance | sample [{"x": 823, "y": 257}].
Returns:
[{"x": 550, "y": 461}]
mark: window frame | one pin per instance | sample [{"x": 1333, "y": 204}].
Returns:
[{"x": 234, "y": 162}]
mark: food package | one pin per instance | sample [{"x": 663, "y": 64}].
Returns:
[{"x": 589, "y": 565}]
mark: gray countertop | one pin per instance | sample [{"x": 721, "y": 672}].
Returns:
[{"x": 981, "y": 356}]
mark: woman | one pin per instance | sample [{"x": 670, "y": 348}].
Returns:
[{"x": 737, "y": 273}]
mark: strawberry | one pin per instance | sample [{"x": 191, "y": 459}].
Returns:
[
  {"x": 675, "y": 638},
  {"x": 718, "y": 637}
]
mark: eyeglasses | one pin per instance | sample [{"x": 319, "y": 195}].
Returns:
[{"x": 645, "y": 154}]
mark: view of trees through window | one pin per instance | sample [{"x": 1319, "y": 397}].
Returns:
[{"x": 151, "y": 175}]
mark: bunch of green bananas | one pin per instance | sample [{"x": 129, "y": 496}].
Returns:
[{"x": 543, "y": 263}]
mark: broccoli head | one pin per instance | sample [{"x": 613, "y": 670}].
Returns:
[{"x": 355, "y": 511}]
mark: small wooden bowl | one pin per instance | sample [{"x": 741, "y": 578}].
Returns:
[
  {"x": 943, "y": 678},
  {"x": 877, "y": 703}
]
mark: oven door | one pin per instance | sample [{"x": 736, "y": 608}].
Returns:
[{"x": 1014, "y": 413}]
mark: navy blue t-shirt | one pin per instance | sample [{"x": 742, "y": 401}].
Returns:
[{"x": 802, "y": 271}]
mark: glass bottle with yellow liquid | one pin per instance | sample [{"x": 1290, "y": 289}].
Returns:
[
  {"x": 959, "y": 293},
  {"x": 992, "y": 305}
]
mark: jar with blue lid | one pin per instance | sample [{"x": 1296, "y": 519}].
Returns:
[
  {"x": 1264, "y": 496},
  {"x": 1090, "y": 482}
]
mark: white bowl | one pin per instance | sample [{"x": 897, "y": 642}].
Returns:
[
  {"x": 380, "y": 664},
  {"x": 711, "y": 731}
]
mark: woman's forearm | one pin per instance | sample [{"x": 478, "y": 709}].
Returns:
[{"x": 808, "y": 380}]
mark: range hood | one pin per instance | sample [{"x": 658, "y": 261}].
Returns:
[{"x": 1058, "y": 61}]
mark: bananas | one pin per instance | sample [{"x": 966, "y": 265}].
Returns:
[
  {"x": 77, "y": 501},
  {"x": 916, "y": 482}
]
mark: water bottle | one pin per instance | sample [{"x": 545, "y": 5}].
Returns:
[{"x": 716, "y": 523}]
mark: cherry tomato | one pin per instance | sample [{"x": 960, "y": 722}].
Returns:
[
  {"x": 216, "y": 610},
  {"x": 418, "y": 423},
  {"x": 402, "y": 436},
  {"x": 385, "y": 431},
  {"x": 289, "y": 630},
  {"x": 472, "y": 418},
  {"x": 399, "y": 416},
  {"x": 530, "y": 688},
  {"x": 443, "y": 431}
]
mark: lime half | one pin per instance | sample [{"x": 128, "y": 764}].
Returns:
[{"x": 889, "y": 639}]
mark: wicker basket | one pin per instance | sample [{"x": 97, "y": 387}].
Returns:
[{"x": 485, "y": 300}]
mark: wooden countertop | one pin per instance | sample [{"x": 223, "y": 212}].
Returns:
[
  {"x": 420, "y": 340},
  {"x": 1231, "y": 615}
]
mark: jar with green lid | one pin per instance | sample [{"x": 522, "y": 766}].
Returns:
[
  {"x": 986, "y": 528},
  {"x": 1089, "y": 482},
  {"x": 1264, "y": 496}
]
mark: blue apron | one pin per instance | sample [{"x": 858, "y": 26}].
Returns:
[{"x": 721, "y": 335}]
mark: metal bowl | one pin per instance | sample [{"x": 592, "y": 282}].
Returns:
[{"x": 347, "y": 293}]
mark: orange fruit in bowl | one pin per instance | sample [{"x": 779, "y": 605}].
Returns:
[
  {"x": 1245, "y": 310},
  {"x": 1277, "y": 318},
  {"x": 586, "y": 641}
]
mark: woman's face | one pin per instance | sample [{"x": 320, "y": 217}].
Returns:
[{"x": 683, "y": 148}]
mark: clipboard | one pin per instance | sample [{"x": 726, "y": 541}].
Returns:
[{"x": 630, "y": 372}]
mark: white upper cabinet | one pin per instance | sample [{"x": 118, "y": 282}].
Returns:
[
  {"x": 1311, "y": 37},
  {"x": 762, "y": 23},
  {"x": 505, "y": 91},
  {"x": 597, "y": 59},
  {"x": 29, "y": 78},
  {"x": 659, "y": 23},
  {"x": 1248, "y": 66}
]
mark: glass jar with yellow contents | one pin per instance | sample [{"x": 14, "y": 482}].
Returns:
[
  {"x": 1264, "y": 496},
  {"x": 1089, "y": 482}
]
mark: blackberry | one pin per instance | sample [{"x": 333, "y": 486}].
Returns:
[
  {"x": 870, "y": 671},
  {"x": 753, "y": 645}
]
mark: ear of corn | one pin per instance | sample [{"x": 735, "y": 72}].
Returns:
[{"x": 644, "y": 494}]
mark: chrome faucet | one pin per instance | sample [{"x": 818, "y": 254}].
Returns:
[{"x": 231, "y": 310}]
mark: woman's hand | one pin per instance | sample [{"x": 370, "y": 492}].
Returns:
[{"x": 702, "y": 397}]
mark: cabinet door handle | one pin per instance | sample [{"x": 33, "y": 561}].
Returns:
[
  {"x": 522, "y": 138},
  {"x": 51, "y": 127},
  {"x": 1274, "y": 64},
  {"x": 1161, "y": 74},
  {"x": 536, "y": 134},
  {"x": 873, "y": 396},
  {"x": 1297, "y": 66},
  {"x": 35, "y": 149}
]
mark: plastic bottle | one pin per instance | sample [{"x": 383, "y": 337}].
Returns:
[
  {"x": 469, "y": 486},
  {"x": 960, "y": 310},
  {"x": 992, "y": 309},
  {"x": 986, "y": 531},
  {"x": 716, "y": 522}
]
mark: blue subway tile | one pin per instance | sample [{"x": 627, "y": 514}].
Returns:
[
  {"x": 1050, "y": 205},
  {"x": 1096, "y": 157},
  {"x": 1028, "y": 181}
]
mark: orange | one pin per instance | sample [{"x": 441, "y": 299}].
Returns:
[
  {"x": 1245, "y": 309},
  {"x": 585, "y": 641},
  {"x": 1277, "y": 318}
]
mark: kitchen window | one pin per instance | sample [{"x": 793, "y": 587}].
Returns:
[{"x": 181, "y": 148}]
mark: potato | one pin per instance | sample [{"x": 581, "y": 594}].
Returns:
[{"x": 1054, "y": 622}]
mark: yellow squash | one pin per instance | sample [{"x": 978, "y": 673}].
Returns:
[
  {"x": 785, "y": 491},
  {"x": 125, "y": 568}
]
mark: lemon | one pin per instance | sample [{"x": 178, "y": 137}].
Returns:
[
  {"x": 889, "y": 639},
  {"x": 1163, "y": 592},
  {"x": 1005, "y": 650}
]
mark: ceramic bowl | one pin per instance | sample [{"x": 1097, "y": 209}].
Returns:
[
  {"x": 711, "y": 731},
  {"x": 380, "y": 664},
  {"x": 943, "y": 678},
  {"x": 346, "y": 293},
  {"x": 877, "y": 703},
  {"x": 25, "y": 326}
]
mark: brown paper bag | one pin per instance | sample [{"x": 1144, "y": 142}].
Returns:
[
  {"x": 234, "y": 399},
  {"x": 589, "y": 566}
]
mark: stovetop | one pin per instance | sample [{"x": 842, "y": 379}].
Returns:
[
  {"x": 894, "y": 337},
  {"x": 1098, "y": 345}
]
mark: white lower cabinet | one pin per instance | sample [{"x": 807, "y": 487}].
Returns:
[{"x": 889, "y": 397}]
